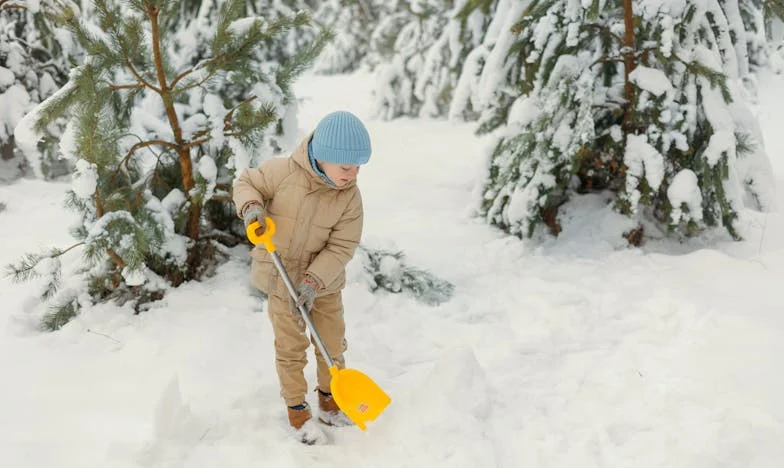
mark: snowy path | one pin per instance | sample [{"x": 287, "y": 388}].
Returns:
[{"x": 563, "y": 356}]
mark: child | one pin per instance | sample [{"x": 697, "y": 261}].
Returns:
[{"x": 313, "y": 198}]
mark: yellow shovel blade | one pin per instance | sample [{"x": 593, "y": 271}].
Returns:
[{"x": 357, "y": 395}]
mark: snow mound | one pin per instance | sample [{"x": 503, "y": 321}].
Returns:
[{"x": 446, "y": 417}]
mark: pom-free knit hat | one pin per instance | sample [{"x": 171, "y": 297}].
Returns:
[{"x": 341, "y": 138}]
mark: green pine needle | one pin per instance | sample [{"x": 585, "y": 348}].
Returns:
[{"x": 60, "y": 315}]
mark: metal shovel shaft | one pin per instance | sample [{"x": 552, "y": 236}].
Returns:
[{"x": 302, "y": 311}]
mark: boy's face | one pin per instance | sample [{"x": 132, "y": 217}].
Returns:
[{"x": 340, "y": 174}]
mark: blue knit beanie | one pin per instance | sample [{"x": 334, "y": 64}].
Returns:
[{"x": 341, "y": 138}]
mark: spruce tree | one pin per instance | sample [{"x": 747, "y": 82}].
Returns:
[
  {"x": 35, "y": 58},
  {"x": 352, "y": 22},
  {"x": 161, "y": 124},
  {"x": 751, "y": 22},
  {"x": 399, "y": 44},
  {"x": 641, "y": 99},
  {"x": 492, "y": 76},
  {"x": 489, "y": 23},
  {"x": 442, "y": 63},
  {"x": 292, "y": 40},
  {"x": 446, "y": 59}
]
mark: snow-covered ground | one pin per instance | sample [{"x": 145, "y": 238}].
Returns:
[{"x": 574, "y": 354}]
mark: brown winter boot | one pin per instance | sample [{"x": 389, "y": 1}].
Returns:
[
  {"x": 303, "y": 428},
  {"x": 329, "y": 412},
  {"x": 299, "y": 415}
]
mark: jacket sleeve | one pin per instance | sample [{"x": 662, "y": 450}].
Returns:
[
  {"x": 342, "y": 243},
  {"x": 254, "y": 184}
]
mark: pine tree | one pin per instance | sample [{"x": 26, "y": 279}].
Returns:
[
  {"x": 492, "y": 76},
  {"x": 352, "y": 22},
  {"x": 35, "y": 59},
  {"x": 292, "y": 40},
  {"x": 644, "y": 100},
  {"x": 446, "y": 59},
  {"x": 399, "y": 44},
  {"x": 161, "y": 125},
  {"x": 751, "y": 22},
  {"x": 493, "y": 36},
  {"x": 436, "y": 82}
]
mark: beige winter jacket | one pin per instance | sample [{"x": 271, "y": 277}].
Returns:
[{"x": 318, "y": 226}]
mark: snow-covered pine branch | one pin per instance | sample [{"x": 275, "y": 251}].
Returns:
[
  {"x": 352, "y": 23},
  {"x": 388, "y": 270},
  {"x": 35, "y": 58},
  {"x": 430, "y": 55},
  {"x": 401, "y": 42}
]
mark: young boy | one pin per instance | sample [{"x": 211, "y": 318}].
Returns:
[{"x": 313, "y": 198}]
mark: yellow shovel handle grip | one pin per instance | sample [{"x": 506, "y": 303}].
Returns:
[{"x": 266, "y": 237}]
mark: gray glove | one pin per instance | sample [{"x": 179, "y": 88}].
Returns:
[
  {"x": 254, "y": 212},
  {"x": 307, "y": 293}
]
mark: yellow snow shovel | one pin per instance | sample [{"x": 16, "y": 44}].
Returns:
[{"x": 355, "y": 393}]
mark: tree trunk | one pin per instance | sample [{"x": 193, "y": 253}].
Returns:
[
  {"x": 183, "y": 149},
  {"x": 628, "y": 65},
  {"x": 7, "y": 149}
]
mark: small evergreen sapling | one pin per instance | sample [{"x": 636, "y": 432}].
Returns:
[{"x": 159, "y": 127}]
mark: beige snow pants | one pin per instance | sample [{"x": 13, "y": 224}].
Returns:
[{"x": 291, "y": 343}]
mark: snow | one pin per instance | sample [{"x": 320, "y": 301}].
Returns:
[
  {"x": 25, "y": 134},
  {"x": 173, "y": 201},
  {"x": 213, "y": 108},
  {"x": 720, "y": 144},
  {"x": 33, "y": 6},
  {"x": 754, "y": 166},
  {"x": 466, "y": 83},
  {"x": 134, "y": 277},
  {"x": 241, "y": 26},
  {"x": 149, "y": 117},
  {"x": 684, "y": 189},
  {"x": 763, "y": 165},
  {"x": 209, "y": 171},
  {"x": 616, "y": 133},
  {"x": 14, "y": 102},
  {"x": 562, "y": 136},
  {"x": 85, "y": 179},
  {"x": 650, "y": 79},
  {"x": 642, "y": 160},
  {"x": 68, "y": 145},
  {"x": 578, "y": 353},
  {"x": 573, "y": 35},
  {"x": 98, "y": 229},
  {"x": 15, "y": 59},
  {"x": 47, "y": 86},
  {"x": 7, "y": 77},
  {"x": 667, "y": 35},
  {"x": 501, "y": 40},
  {"x": 522, "y": 112}
]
